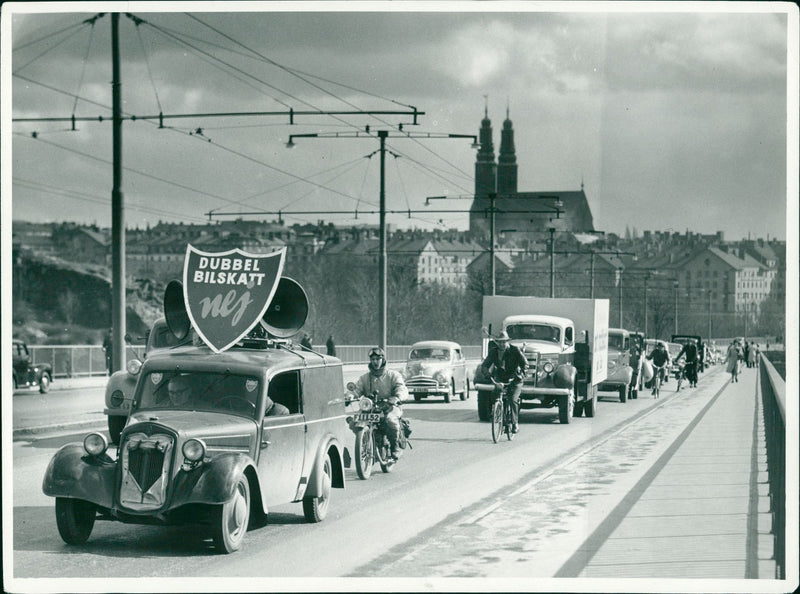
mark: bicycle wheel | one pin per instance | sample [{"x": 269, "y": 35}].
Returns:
[
  {"x": 497, "y": 419},
  {"x": 507, "y": 421},
  {"x": 658, "y": 384},
  {"x": 680, "y": 381}
]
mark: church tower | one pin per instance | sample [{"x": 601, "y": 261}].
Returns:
[
  {"x": 507, "y": 160},
  {"x": 485, "y": 175}
]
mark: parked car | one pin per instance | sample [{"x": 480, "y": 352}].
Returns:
[
  {"x": 121, "y": 384},
  {"x": 436, "y": 368},
  {"x": 219, "y": 459},
  {"x": 619, "y": 372},
  {"x": 26, "y": 373}
]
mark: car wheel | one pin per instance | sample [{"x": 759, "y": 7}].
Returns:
[
  {"x": 623, "y": 393},
  {"x": 417, "y": 398},
  {"x": 116, "y": 424},
  {"x": 230, "y": 519},
  {"x": 451, "y": 391},
  {"x": 75, "y": 519},
  {"x": 44, "y": 384},
  {"x": 465, "y": 394},
  {"x": 315, "y": 508}
]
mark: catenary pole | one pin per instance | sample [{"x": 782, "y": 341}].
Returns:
[{"x": 118, "y": 321}]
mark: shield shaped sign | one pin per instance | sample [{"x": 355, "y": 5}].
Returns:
[{"x": 227, "y": 293}]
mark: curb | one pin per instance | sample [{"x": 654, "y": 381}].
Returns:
[{"x": 56, "y": 428}]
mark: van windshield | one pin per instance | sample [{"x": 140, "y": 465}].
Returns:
[
  {"x": 541, "y": 332},
  {"x": 220, "y": 392},
  {"x": 616, "y": 341}
]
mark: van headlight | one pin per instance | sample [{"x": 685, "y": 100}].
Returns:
[
  {"x": 95, "y": 444},
  {"x": 193, "y": 450},
  {"x": 133, "y": 366}
]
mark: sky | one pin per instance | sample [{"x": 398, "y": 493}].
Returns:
[{"x": 671, "y": 116}]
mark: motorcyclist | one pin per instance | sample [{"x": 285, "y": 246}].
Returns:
[
  {"x": 507, "y": 363},
  {"x": 387, "y": 385},
  {"x": 660, "y": 358},
  {"x": 690, "y": 350}
]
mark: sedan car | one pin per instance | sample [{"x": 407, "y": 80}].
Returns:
[
  {"x": 28, "y": 374},
  {"x": 436, "y": 368}
]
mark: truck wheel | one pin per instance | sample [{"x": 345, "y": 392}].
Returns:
[
  {"x": 589, "y": 406},
  {"x": 75, "y": 519},
  {"x": 485, "y": 406},
  {"x": 417, "y": 398},
  {"x": 565, "y": 406},
  {"x": 116, "y": 424},
  {"x": 316, "y": 508},
  {"x": 230, "y": 519},
  {"x": 44, "y": 384},
  {"x": 577, "y": 409},
  {"x": 623, "y": 393}
]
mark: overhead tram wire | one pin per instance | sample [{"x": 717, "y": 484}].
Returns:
[
  {"x": 297, "y": 73},
  {"x": 58, "y": 32},
  {"x": 45, "y": 52}
]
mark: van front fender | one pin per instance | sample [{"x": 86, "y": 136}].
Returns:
[
  {"x": 74, "y": 473},
  {"x": 213, "y": 482}
]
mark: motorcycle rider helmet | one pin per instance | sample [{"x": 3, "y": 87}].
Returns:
[{"x": 377, "y": 358}]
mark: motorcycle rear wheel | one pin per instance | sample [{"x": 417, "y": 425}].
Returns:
[{"x": 364, "y": 452}]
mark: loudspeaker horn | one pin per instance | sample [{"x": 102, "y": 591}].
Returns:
[
  {"x": 288, "y": 310},
  {"x": 175, "y": 310}
]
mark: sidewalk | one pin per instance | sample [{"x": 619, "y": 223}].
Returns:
[{"x": 701, "y": 511}]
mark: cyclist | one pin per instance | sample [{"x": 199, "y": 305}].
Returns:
[
  {"x": 690, "y": 369},
  {"x": 660, "y": 357},
  {"x": 388, "y": 385},
  {"x": 507, "y": 364}
]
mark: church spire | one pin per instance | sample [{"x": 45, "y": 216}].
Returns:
[{"x": 507, "y": 160}]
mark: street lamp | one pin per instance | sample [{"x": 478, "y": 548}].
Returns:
[
  {"x": 552, "y": 263},
  {"x": 619, "y": 283},
  {"x": 675, "y": 285}
]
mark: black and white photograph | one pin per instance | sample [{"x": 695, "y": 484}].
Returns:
[{"x": 374, "y": 296}]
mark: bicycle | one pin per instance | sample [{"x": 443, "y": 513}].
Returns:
[
  {"x": 501, "y": 413},
  {"x": 657, "y": 380}
]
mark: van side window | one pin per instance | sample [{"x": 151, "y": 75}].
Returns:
[
  {"x": 568, "y": 335},
  {"x": 284, "y": 389}
]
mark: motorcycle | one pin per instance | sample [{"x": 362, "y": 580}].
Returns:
[{"x": 372, "y": 445}]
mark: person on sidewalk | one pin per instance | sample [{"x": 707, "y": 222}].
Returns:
[
  {"x": 746, "y": 353},
  {"x": 752, "y": 355},
  {"x": 331, "y": 346},
  {"x": 732, "y": 359}
]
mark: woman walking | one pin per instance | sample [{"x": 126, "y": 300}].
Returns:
[
  {"x": 752, "y": 356},
  {"x": 733, "y": 361}
]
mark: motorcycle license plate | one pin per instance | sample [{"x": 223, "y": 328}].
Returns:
[{"x": 368, "y": 417}]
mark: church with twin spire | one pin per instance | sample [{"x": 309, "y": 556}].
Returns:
[{"x": 525, "y": 212}]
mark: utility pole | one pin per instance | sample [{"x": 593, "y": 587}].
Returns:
[
  {"x": 646, "y": 276},
  {"x": 552, "y": 263},
  {"x": 382, "y": 299},
  {"x": 118, "y": 321},
  {"x": 676, "y": 284},
  {"x": 709, "y": 316},
  {"x": 619, "y": 283},
  {"x": 492, "y": 197},
  {"x": 591, "y": 276}
]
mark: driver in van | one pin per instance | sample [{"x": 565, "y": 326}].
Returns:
[
  {"x": 387, "y": 385},
  {"x": 179, "y": 390}
]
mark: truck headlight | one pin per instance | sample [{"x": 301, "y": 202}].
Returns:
[
  {"x": 193, "y": 450},
  {"x": 95, "y": 444},
  {"x": 548, "y": 367},
  {"x": 133, "y": 366}
]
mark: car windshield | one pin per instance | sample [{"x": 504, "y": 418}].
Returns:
[
  {"x": 674, "y": 349},
  {"x": 541, "y": 332},
  {"x": 221, "y": 392},
  {"x": 616, "y": 341},
  {"x": 430, "y": 353}
]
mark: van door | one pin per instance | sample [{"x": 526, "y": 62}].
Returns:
[{"x": 282, "y": 444}]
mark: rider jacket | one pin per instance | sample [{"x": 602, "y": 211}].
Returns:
[
  {"x": 388, "y": 384},
  {"x": 510, "y": 365},
  {"x": 659, "y": 357},
  {"x": 690, "y": 350}
]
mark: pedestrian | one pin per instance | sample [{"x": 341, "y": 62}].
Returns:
[
  {"x": 747, "y": 353},
  {"x": 108, "y": 346},
  {"x": 752, "y": 356},
  {"x": 331, "y": 346},
  {"x": 306, "y": 342},
  {"x": 732, "y": 360}
]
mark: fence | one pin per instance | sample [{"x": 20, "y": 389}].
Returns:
[
  {"x": 773, "y": 395},
  {"x": 90, "y": 360}
]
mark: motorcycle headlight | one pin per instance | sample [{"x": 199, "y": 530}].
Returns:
[
  {"x": 117, "y": 397},
  {"x": 365, "y": 404},
  {"x": 194, "y": 450},
  {"x": 133, "y": 366},
  {"x": 95, "y": 444}
]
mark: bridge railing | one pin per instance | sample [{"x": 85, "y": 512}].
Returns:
[
  {"x": 773, "y": 395},
  {"x": 72, "y": 360}
]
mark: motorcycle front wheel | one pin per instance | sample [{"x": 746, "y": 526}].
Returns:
[{"x": 364, "y": 452}]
